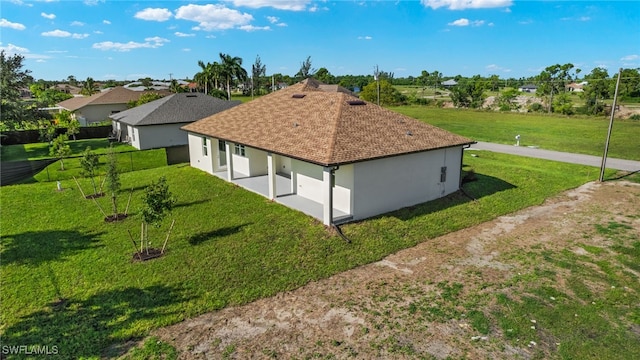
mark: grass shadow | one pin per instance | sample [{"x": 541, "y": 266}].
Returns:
[
  {"x": 484, "y": 185},
  {"x": 632, "y": 176},
  {"x": 202, "y": 201},
  {"x": 36, "y": 247},
  {"x": 222, "y": 232},
  {"x": 99, "y": 325}
]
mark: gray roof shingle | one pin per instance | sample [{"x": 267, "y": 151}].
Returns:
[{"x": 174, "y": 109}]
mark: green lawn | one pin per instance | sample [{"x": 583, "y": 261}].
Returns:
[
  {"x": 37, "y": 151},
  {"x": 582, "y": 135},
  {"x": 128, "y": 158},
  {"x": 68, "y": 279}
]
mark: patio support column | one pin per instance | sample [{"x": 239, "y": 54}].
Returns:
[
  {"x": 327, "y": 196},
  {"x": 227, "y": 149},
  {"x": 271, "y": 174}
]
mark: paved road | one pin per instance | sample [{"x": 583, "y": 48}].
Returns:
[{"x": 618, "y": 164}]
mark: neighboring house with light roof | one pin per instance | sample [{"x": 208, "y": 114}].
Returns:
[
  {"x": 157, "y": 124},
  {"x": 98, "y": 107},
  {"x": 323, "y": 151}
]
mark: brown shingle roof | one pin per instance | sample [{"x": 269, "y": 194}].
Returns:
[
  {"x": 326, "y": 126},
  {"x": 117, "y": 95}
]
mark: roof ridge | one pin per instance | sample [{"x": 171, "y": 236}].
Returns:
[{"x": 335, "y": 126}]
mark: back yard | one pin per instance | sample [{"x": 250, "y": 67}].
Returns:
[{"x": 68, "y": 279}]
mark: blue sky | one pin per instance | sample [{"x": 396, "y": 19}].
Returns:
[{"x": 127, "y": 40}]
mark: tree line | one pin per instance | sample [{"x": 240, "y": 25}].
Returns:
[{"x": 224, "y": 75}]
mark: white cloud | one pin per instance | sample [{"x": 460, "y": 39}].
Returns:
[
  {"x": 8, "y": 24},
  {"x": 98, "y": 32},
  {"x": 630, "y": 57},
  {"x": 466, "y": 22},
  {"x": 364, "y": 38},
  {"x": 106, "y": 22},
  {"x": 210, "y": 36},
  {"x": 275, "y": 20},
  {"x": 13, "y": 49},
  {"x": 93, "y": 2},
  {"x": 152, "y": 14},
  {"x": 466, "y": 4},
  {"x": 460, "y": 22},
  {"x": 48, "y": 16},
  {"x": 77, "y": 23},
  {"x": 253, "y": 28},
  {"x": 496, "y": 68},
  {"x": 181, "y": 34},
  {"x": 213, "y": 17},
  {"x": 584, "y": 18},
  {"x": 292, "y": 5},
  {"x": 64, "y": 34},
  {"x": 150, "y": 43},
  {"x": 186, "y": 49}
]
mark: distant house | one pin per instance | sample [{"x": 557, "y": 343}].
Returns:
[
  {"x": 98, "y": 107},
  {"x": 157, "y": 124},
  {"x": 528, "y": 88},
  {"x": 576, "y": 87},
  {"x": 450, "y": 83},
  {"x": 327, "y": 153}
]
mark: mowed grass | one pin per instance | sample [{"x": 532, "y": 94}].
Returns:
[
  {"x": 68, "y": 278},
  {"x": 582, "y": 135},
  {"x": 38, "y": 151},
  {"x": 128, "y": 158}
]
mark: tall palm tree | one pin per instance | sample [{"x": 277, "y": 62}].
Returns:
[
  {"x": 231, "y": 69},
  {"x": 204, "y": 77}
]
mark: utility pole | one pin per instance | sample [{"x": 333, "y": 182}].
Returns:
[
  {"x": 376, "y": 77},
  {"x": 606, "y": 145}
]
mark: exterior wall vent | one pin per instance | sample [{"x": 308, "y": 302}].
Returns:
[
  {"x": 298, "y": 96},
  {"x": 356, "y": 102}
]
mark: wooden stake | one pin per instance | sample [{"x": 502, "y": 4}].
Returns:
[
  {"x": 167, "y": 239},
  {"x": 102, "y": 211},
  {"x": 79, "y": 187},
  {"x": 141, "y": 236},
  {"x": 135, "y": 246},
  {"x": 126, "y": 210},
  {"x": 102, "y": 184}
]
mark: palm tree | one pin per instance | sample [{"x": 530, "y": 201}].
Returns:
[
  {"x": 89, "y": 88},
  {"x": 231, "y": 68},
  {"x": 204, "y": 77}
]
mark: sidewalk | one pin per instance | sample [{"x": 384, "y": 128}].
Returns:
[{"x": 612, "y": 163}]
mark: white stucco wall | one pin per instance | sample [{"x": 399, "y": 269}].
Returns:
[
  {"x": 157, "y": 136},
  {"x": 254, "y": 163},
  {"x": 309, "y": 184},
  {"x": 392, "y": 183},
  {"x": 97, "y": 113},
  {"x": 197, "y": 159}
]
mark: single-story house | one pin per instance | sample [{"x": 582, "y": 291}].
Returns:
[
  {"x": 528, "y": 88},
  {"x": 98, "y": 107},
  {"x": 328, "y": 153},
  {"x": 158, "y": 123},
  {"x": 450, "y": 83},
  {"x": 576, "y": 87}
]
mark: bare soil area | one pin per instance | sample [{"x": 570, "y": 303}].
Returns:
[{"x": 356, "y": 314}]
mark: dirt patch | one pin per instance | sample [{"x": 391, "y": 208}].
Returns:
[{"x": 366, "y": 312}]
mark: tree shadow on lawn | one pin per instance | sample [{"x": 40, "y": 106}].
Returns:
[
  {"x": 222, "y": 232},
  {"x": 484, "y": 185},
  {"x": 36, "y": 247},
  {"x": 99, "y": 326}
]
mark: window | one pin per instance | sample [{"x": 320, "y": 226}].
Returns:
[
  {"x": 443, "y": 174},
  {"x": 222, "y": 146},
  {"x": 239, "y": 150},
  {"x": 205, "y": 151}
]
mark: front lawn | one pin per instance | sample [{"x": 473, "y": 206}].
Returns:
[{"x": 68, "y": 279}]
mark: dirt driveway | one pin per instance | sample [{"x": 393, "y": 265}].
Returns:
[{"x": 356, "y": 314}]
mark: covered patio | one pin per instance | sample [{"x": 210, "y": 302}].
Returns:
[{"x": 284, "y": 196}]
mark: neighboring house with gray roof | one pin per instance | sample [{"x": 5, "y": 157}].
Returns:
[
  {"x": 98, "y": 107},
  {"x": 327, "y": 153},
  {"x": 157, "y": 124}
]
